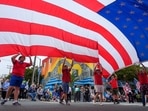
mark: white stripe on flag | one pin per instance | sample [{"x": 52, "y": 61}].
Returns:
[{"x": 29, "y": 40}]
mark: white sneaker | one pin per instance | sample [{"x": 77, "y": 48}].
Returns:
[
  {"x": 94, "y": 102},
  {"x": 100, "y": 104}
]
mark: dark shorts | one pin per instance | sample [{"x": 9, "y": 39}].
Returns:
[
  {"x": 144, "y": 88},
  {"x": 16, "y": 81},
  {"x": 115, "y": 91},
  {"x": 65, "y": 86}
]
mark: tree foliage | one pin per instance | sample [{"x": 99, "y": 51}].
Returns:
[
  {"x": 28, "y": 74},
  {"x": 129, "y": 73},
  {"x": 126, "y": 74}
]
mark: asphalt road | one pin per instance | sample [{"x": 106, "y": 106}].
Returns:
[{"x": 79, "y": 106}]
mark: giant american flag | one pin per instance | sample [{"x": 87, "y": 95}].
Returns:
[{"x": 113, "y": 32}]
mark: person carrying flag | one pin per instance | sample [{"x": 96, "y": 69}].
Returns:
[
  {"x": 143, "y": 79},
  {"x": 66, "y": 79},
  {"x": 17, "y": 77},
  {"x": 98, "y": 83},
  {"x": 114, "y": 85}
]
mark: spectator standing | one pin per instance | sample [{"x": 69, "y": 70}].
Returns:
[
  {"x": 76, "y": 94},
  {"x": 87, "y": 94},
  {"x": 82, "y": 91},
  {"x": 92, "y": 93}
]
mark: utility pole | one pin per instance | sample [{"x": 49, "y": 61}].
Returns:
[
  {"x": 34, "y": 68},
  {"x": 39, "y": 70}
]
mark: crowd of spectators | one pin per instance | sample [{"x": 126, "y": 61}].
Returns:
[{"x": 77, "y": 93}]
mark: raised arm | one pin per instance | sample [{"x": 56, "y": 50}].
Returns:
[
  {"x": 115, "y": 75},
  {"x": 98, "y": 65},
  {"x": 64, "y": 61},
  {"x": 14, "y": 57}
]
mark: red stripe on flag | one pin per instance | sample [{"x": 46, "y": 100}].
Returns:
[
  {"x": 93, "y": 5},
  {"x": 43, "y": 50},
  {"x": 30, "y": 29},
  {"x": 105, "y": 73},
  {"x": 108, "y": 57}
]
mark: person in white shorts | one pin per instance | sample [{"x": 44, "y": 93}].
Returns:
[{"x": 98, "y": 83}]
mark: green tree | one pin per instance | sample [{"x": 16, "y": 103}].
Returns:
[
  {"x": 28, "y": 74},
  {"x": 128, "y": 74}
]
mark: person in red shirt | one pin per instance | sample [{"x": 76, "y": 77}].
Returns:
[
  {"x": 17, "y": 77},
  {"x": 114, "y": 85},
  {"x": 98, "y": 83},
  {"x": 66, "y": 79},
  {"x": 143, "y": 79}
]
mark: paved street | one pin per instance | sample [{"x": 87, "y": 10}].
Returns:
[{"x": 81, "y": 106}]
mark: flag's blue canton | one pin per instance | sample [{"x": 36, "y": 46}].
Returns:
[{"x": 131, "y": 17}]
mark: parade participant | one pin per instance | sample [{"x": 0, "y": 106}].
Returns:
[
  {"x": 66, "y": 79},
  {"x": 17, "y": 77},
  {"x": 114, "y": 85},
  {"x": 98, "y": 83},
  {"x": 143, "y": 79}
]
